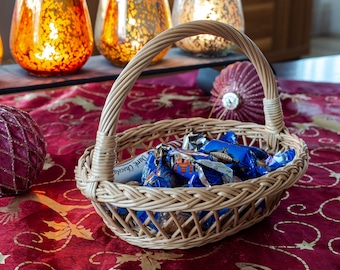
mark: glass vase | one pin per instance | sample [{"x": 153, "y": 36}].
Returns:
[
  {"x": 227, "y": 11},
  {"x": 51, "y": 37},
  {"x": 123, "y": 27},
  {"x": 1, "y": 50}
]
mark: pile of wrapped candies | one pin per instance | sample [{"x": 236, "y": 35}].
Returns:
[
  {"x": 195, "y": 162},
  {"x": 200, "y": 162}
]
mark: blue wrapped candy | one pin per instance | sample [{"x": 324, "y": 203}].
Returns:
[
  {"x": 230, "y": 137},
  {"x": 199, "y": 168},
  {"x": 156, "y": 174},
  {"x": 168, "y": 167},
  {"x": 280, "y": 159},
  {"x": 194, "y": 141},
  {"x": 242, "y": 160}
]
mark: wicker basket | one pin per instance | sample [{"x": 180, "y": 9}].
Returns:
[{"x": 191, "y": 217}]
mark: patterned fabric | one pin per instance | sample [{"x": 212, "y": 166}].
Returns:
[{"x": 54, "y": 227}]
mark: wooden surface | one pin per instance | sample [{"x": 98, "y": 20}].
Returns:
[
  {"x": 316, "y": 69},
  {"x": 281, "y": 28},
  {"x": 14, "y": 79}
]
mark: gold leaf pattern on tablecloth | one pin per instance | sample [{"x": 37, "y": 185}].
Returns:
[
  {"x": 306, "y": 245},
  {"x": 63, "y": 230},
  {"x": 3, "y": 258},
  {"x": 251, "y": 266},
  {"x": 147, "y": 260}
]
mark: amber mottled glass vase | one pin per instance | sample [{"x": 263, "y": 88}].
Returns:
[
  {"x": 123, "y": 27},
  {"x": 1, "y": 50},
  {"x": 51, "y": 37},
  {"x": 227, "y": 11}
]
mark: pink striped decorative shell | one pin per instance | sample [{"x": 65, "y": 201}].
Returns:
[
  {"x": 237, "y": 94},
  {"x": 22, "y": 151}
]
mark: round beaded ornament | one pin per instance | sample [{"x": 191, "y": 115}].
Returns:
[{"x": 22, "y": 151}]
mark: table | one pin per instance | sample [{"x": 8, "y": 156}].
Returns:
[
  {"x": 323, "y": 69},
  {"x": 315, "y": 69},
  {"x": 14, "y": 79},
  {"x": 54, "y": 227}
]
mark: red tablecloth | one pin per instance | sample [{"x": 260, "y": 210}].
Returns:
[{"x": 55, "y": 227}]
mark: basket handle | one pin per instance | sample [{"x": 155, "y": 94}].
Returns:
[{"x": 104, "y": 150}]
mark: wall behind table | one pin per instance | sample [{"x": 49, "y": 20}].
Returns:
[
  {"x": 326, "y": 19},
  {"x": 6, "y": 10}
]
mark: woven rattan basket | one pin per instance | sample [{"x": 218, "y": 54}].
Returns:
[{"x": 243, "y": 204}]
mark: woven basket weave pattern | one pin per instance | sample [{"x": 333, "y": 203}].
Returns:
[{"x": 186, "y": 217}]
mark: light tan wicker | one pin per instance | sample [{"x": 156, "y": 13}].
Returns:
[{"x": 229, "y": 208}]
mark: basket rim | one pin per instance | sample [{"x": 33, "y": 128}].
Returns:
[{"x": 301, "y": 154}]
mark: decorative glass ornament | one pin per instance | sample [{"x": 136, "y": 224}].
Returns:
[
  {"x": 123, "y": 27},
  {"x": 22, "y": 151},
  {"x": 51, "y": 37},
  {"x": 238, "y": 94},
  {"x": 227, "y": 11}
]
